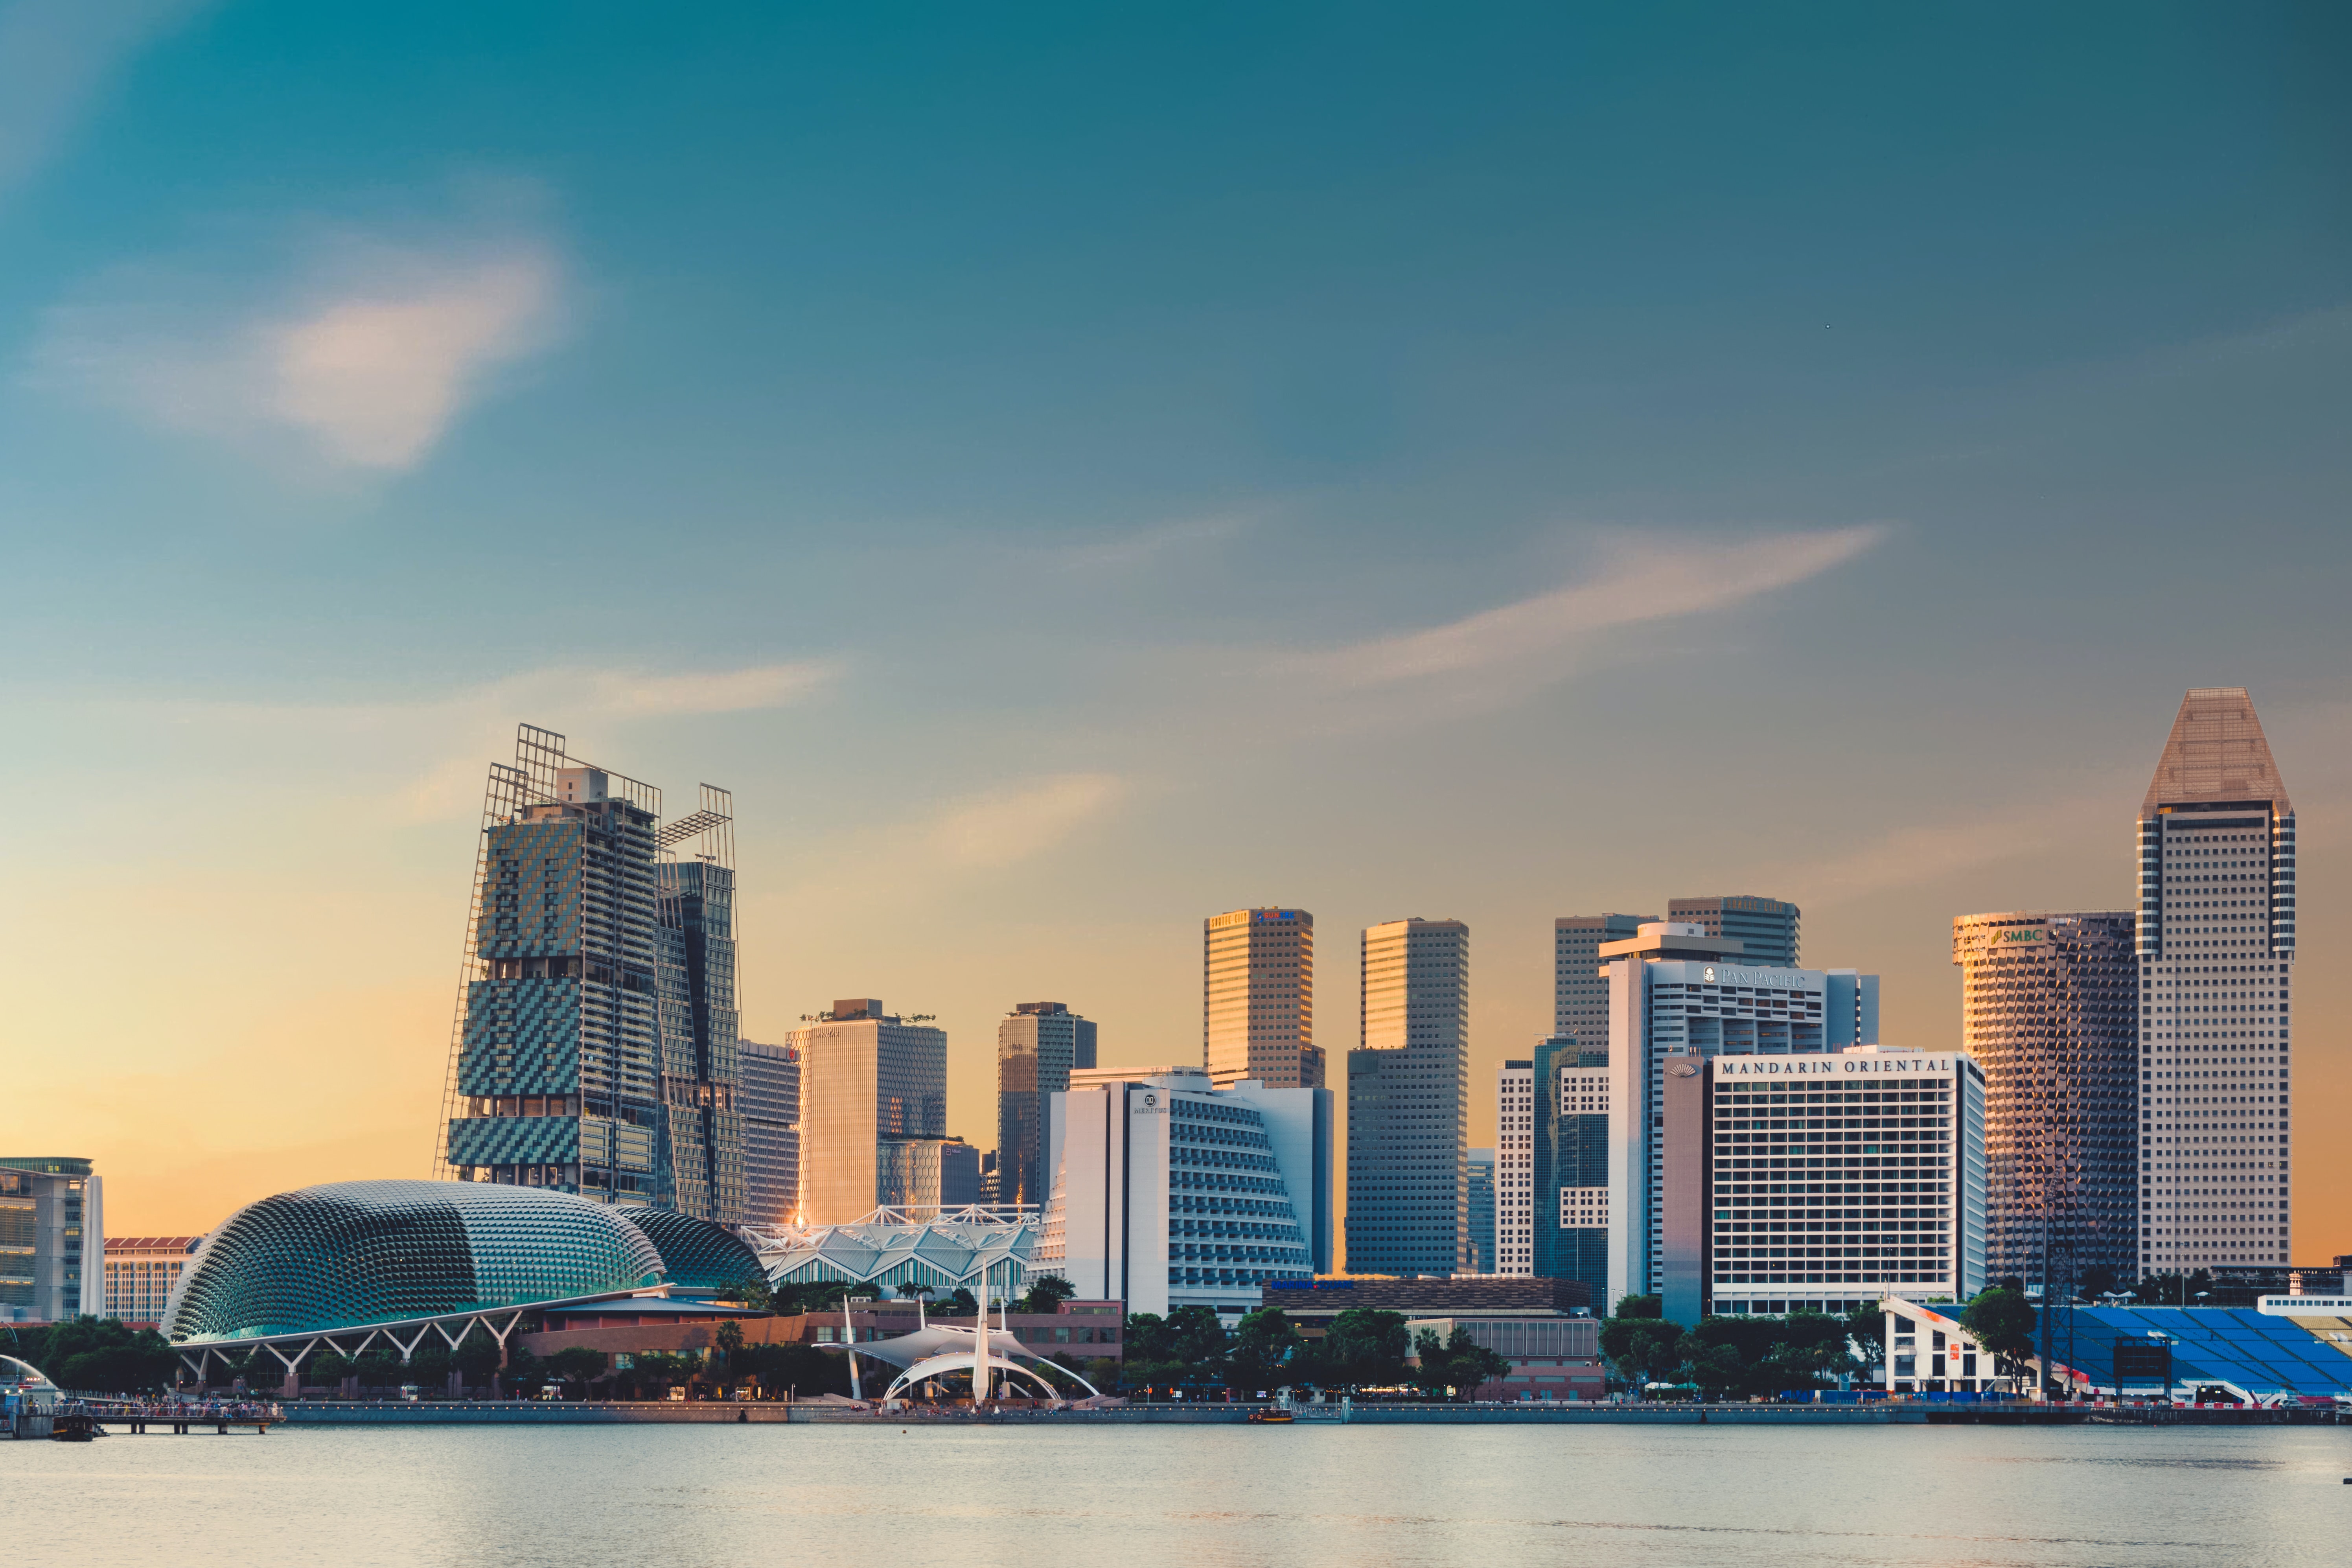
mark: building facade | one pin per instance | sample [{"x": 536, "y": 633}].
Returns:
[
  {"x": 1514, "y": 1177},
  {"x": 595, "y": 1045},
  {"x": 2049, "y": 1011},
  {"x": 1170, "y": 1192},
  {"x": 1570, "y": 1218},
  {"x": 139, "y": 1273},
  {"x": 1257, "y": 998},
  {"x": 768, "y": 1093},
  {"x": 1409, "y": 1102},
  {"x": 1675, "y": 989},
  {"x": 1480, "y": 1164},
  {"x": 52, "y": 1239},
  {"x": 1820, "y": 1182},
  {"x": 2216, "y": 948},
  {"x": 1037, "y": 1047},
  {"x": 1580, "y": 988},
  {"x": 871, "y": 1084},
  {"x": 1768, "y": 930}
]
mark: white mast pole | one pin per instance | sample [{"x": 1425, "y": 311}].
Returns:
[{"x": 849, "y": 1335}]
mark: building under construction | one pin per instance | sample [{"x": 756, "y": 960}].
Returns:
[{"x": 595, "y": 1049}]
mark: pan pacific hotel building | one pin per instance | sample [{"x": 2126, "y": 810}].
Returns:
[{"x": 1809, "y": 1175}]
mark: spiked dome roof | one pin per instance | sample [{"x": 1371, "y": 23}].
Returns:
[{"x": 2217, "y": 752}]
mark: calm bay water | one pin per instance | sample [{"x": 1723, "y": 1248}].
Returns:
[{"x": 1140, "y": 1496}]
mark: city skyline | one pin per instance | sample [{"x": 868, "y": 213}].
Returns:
[{"x": 1070, "y": 480}]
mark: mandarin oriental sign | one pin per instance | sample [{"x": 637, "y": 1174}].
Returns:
[{"x": 1815, "y": 1066}]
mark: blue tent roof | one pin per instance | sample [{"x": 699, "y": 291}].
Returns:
[{"x": 2262, "y": 1356}]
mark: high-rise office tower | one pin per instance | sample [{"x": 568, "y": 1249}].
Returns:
[
  {"x": 1480, "y": 1164},
  {"x": 1569, "y": 1169},
  {"x": 2049, "y": 1011},
  {"x": 1257, "y": 998},
  {"x": 1036, "y": 1047},
  {"x": 1409, "y": 1102},
  {"x": 1514, "y": 1192},
  {"x": 1766, "y": 929},
  {"x": 874, "y": 1112},
  {"x": 768, "y": 1093},
  {"x": 1580, "y": 992},
  {"x": 52, "y": 1239},
  {"x": 2216, "y": 945},
  {"x": 595, "y": 1045},
  {"x": 1673, "y": 989}
]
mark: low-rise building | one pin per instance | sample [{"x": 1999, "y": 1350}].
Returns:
[
  {"x": 1552, "y": 1358},
  {"x": 1927, "y": 1352},
  {"x": 1313, "y": 1303}
]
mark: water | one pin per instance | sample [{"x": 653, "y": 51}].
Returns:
[{"x": 1203, "y": 1497}]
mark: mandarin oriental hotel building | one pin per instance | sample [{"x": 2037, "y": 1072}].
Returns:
[{"x": 1822, "y": 1182}]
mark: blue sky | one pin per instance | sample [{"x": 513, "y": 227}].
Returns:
[{"x": 1073, "y": 469}]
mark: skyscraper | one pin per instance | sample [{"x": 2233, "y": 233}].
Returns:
[
  {"x": 595, "y": 1042},
  {"x": 1673, "y": 989},
  {"x": 874, "y": 1112},
  {"x": 769, "y": 1096},
  {"x": 1766, "y": 929},
  {"x": 2049, "y": 1011},
  {"x": 1409, "y": 1102},
  {"x": 1514, "y": 1170},
  {"x": 1257, "y": 998},
  {"x": 1480, "y": 1164},
  {"x": 1569, "y": 1170},
  {"x": 1580, "y": 992},
  {"x": 2216, "y": 941},
  {"x": 1036, "y": 1047}
]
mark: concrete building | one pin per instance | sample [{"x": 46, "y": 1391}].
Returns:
[
  {"x": 1513, "y": 1171},
  {"x": 2049, "y": 1010},
  {"x": 139, "y": 1273},
  {"x": 595, "y": 1044},
  {"x": 767, "y": 1095},
  {"x": 2216, "y": 948},
  {"x": 1672, "y": 989},
  {"x": 52, "y": 1239},
  {"x": 1819, "y": 1181},
  {"x": 1313, "y": 1303},
  {"x": 1580, "y": 988},
  {"x": 1768, "y": 930},
  {"x": 1037, "y": 1047},
  {"x": 1570, "y": 1165},
  {"x": 1409, "y": 1102},
  {"x": 1480, "y": 1164},
  {"x": 1552, "y": 1358},
  {"x": 1257, "y": 998},
  {"x": 1170, "y": 1192},
  {"x": 874, "y": 1086}
]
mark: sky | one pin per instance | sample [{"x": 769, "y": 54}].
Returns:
[{"x": 1071, "y": 470}]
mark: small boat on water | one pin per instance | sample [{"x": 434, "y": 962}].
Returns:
[{"x": 1270, "y": 1418}]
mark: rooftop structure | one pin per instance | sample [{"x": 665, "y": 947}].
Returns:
[{"x": 975, "y": 1248}]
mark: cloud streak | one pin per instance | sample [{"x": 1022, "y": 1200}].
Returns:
[
  {"x": 55, "y": 57},
  {"x": 1004, "y": 826},
  {"x": 382, "y": 348},
  {"x": 1641, "y": 584}
]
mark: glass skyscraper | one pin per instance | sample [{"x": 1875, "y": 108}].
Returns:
[
  {"x": 1768, "y": 930},
  {"x": 1409, "y": 1102},
  {"x": 596, "y": 1042},
  {"x": 1036, "y": 1048}
]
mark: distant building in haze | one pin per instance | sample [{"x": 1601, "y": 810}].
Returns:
[
  {"x": 1037, "y": 1047},
  {"x": 595, "y": 1048},
  {"x": 873, "y": 1110},
  {"x": 1579, "y": 1006},
  {"x": 2049, "y": 1011},
  {"x": 1409, "y": 1102},
  {"x": 767, "y": 1095},
  {"x": 1480, "y": 1165},
  {"x": 1257, "y": 998},
  {"x": 1766, "y": 929},
  {"x": 1514, "y": 1172},
  {"x": 2217, "y": 943},
  {"x": 139, "y": 1273}
]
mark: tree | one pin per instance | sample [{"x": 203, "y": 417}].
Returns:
[
  {"x": 1265, "y": 1343},
  {"x": 579, "y": 1366},
  {"x": 910, "y": 1291},
  {"x": 1046, "y": 1293},
  {"x": 1643, "y": 1348},
  {"x": 755, "y": 1293},
  {"x": 959, "y": 1304},
  {"x": 1713, "y": 1365},
  {"x": 100, "y": 1355},
  {"x": 476, "y": 1358},
  {"x": 1185, "y": 1349},
  {"x": 1866, "y": 1327},
  {"x": 378, "y": 1369},
  {"x": 729, "y": 1340},
  {"x": 1364, "y": 1347},
  {"x": 522, "y": 1371},
  {"x": 2001, "y": 1320},
  {"x": 1641, "y": 1307},
  {"x": 1458, "y": 1364}
]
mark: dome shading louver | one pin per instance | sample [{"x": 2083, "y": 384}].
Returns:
[
  {"x": 353, "y": 1252},
  {"x": 696, "y": 1254}
]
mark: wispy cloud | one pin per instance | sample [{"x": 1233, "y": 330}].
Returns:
[
  {"x": 1145, "y": 546},
  {"x": 384, "y": 344},
  {"x": 54, "y": 55},
  {"x": 1007, "y": 826},
  {"x": 1641, "y": 582}
]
